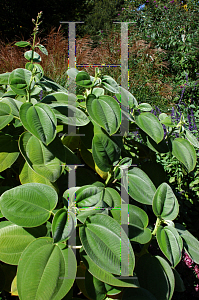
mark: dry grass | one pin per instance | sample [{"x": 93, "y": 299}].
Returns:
[{"x": 145, "y": 73}]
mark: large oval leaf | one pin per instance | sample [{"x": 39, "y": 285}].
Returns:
[
  {"x": 139, "y": 186},
  {"x": 114, "y": 254},
  {"x": 165, "y": 203},
  {"x": 105, "y": 151},
  {"x": 137, "y": 222},
  {"x": 156, "y": 276},
  {"x": 170, "y": 243},
  {"x": 9, "y": 151},
  {"x": 110, "y": 84},
  {"x": 63, "y": 225},
  {"x": 48, "y": 269},
  {"x": 19, "y": 81},
  {"x": 105, "y": 111},
  {"x": 60, "y": 97},
  {"x": 185, "y": 153},
  {"x": 151, "y": 125},
  {"x": 88, "y": 196},
  {"x": 40, "y": 120},
  {"x": 27, "y": 175},
  {"x": 47, "y": 161},
  {"x": 69, "y": 114},
  {"x": 83, "y": 79},
  {"x": 14, "y": 105},
  {"x": 28, "y": 205},
  {"x": 190, "y": 242},
  {"x": 36, "y": 57},
  {"x": 126, "y": 98},
  {"x": 14, "y": 240},
  {"x": 105, "y": 276},
  {"x": 5, "y": 115}
]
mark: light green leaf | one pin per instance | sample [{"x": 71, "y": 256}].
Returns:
[
  {"x": 139, "y": 186},
  {"x": 105, "y": 252},
  {"x": 170, "y": 243},
  {"x": 105, "y": 276},
  {"x": 4, "y": 78},
  {"x": 36, "y": 56},
  {"x": 22, "y": 44},
  {"x": 9, "y": 151},
  {"x": 191, "y": 138},
  {"x": 105, "y": 111},
  {"x": 69, "y": 114},
  {"x": 185, "y": 153},
  {"x": 110, "y": 84},
  {"x": 126, "y": 98},
  {"x": 151, "y": 125},
  {"x": 42, "y": 49},
  {"x": 5, "y": 115},
  {"x": 14, "y": 240},
  {"x": 48, "y": 269},
  {"x": 19, "y": 81},
  {"x": 165, "y": 203},
  {"x": 28, "y": 205},
  {"x": 14, "y": 105},
  {"x": 144, "y": 107},
  {"x": 27, "y": 175},
  {"x": 48, "y": 161},
  {"x": 72, "y": 73},
  {"x": 40, "y": 120}
]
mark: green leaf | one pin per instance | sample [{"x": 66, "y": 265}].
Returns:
[
  {"x": 27, "y": 175},
  {"x": 63, "y": 225},
  {"x": 28, "y": 205},
  {"x": 88, "y": 196},
  {"x": 83, "y": 79},
  {"x": 105, "y": 151},
  {"x": 166, "y": 120},
  {"x": 60, "y": 97},
  {"x": 69, "y": 115},
  {"x": 4, "y": 78},
  {"x": 94, "y": 287},
  {"x": 105, "y": 111},
  {"x": 5, "y": 115},
  {"x": 185, "y": 153},
  {"x": 151, "y": 125},
  {"x": 105, "y": 276},
  {"x": 36, "y": 69},
  {"x": 170, "y": 243},
  {"x": 42, "y": 49},
  {"x": 190, "y": 242},
  {"x": 36, "y": 56},
  {"x": 126, "y": 98},
  {"x": 165, "y": 203},
  {"x": 48, "y": 161},
  {"x": 137, "y": 294},
  {"x": 105, "y": 252},
  {"x": 139, "y": 186},
  {"x": 47, "y": 268},
  {"x": 144, "y": 107},
  {"x": 9, "y": 151},
  {"x": 137, "y": 222},
  {"x": 22, "y": 44},
  {"x": 14, "y": 105},
  {"x": 19, "y": 81},
  {"x": 156, "y": 276},
  {"x": 191, "y": 138},
  {"x": 110, "y": 84},
  {"x": 40, "y": 120},
  {"x": 14, "y": 240},
  {"x": 98, "y": 92}
]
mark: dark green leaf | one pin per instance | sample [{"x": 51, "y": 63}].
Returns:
[
  {"x": 63, "y": 225},
  {"x": 9, "y": 151},
  {"x": 184, "y": 152}
]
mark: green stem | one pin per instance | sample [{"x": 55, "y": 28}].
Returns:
[{"x": 157, "y": 224}]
